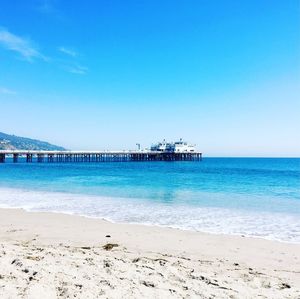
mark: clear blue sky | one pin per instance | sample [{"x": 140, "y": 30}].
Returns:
[{"x": 108, "y": 74}]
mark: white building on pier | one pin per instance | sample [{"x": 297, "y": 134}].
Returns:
[{"x": 174, "y": 147}]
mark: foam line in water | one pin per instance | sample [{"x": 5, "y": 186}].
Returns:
[{"x": 273, "y": 226}]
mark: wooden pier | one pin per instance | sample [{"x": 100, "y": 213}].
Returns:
[{"x": 96, "y": 156}]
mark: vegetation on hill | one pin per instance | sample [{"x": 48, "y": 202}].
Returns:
[{"x": 8, "y": 142}]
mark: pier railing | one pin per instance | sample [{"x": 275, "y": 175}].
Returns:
[{"x": 96, "y": 156}]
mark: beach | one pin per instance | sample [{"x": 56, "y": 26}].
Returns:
[
  {"x": 149, "y": 149},
  {"x": 52, "y": 255}
]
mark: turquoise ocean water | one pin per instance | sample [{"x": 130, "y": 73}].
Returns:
[{"x": 244, "y": 196}]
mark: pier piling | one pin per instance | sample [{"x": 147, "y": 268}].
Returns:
[{"x": 15, "y": 158}]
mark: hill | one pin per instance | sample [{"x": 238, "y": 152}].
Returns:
[{"x": 8, "y": 142}]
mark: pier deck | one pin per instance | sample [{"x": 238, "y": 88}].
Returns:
[{"x": 97, "y": 156}]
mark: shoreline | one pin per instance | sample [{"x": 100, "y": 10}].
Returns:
[
  {"x": 209, "y": 219},
  {"x": 150, "y": 225},
  {"x": 199, "y": 264}
]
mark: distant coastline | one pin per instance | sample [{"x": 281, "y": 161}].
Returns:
[{"x": 12, "y": 142}]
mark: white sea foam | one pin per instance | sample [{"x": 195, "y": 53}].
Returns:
[{"x": 274, "y": 226}]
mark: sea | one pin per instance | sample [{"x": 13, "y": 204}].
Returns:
[{"x": 254, "y": 197}]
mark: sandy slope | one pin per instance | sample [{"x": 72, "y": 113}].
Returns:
[{"x": 45, "y": 255}]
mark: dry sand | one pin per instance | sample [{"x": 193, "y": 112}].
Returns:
[{"x": 44, "y": 255}]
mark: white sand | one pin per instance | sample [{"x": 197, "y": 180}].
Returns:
[{"x": 44, "y": 255}]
